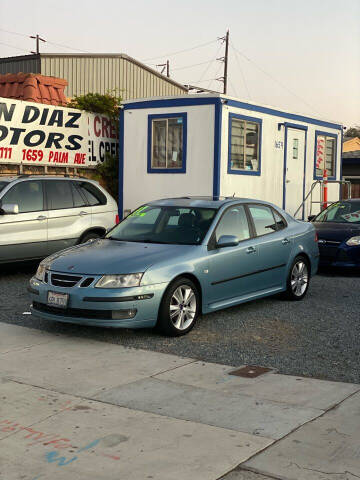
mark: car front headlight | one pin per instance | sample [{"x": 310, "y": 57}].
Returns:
[
  {"x": 353, "y": 241},
  {"x": 120, "y": 281},
  {"x": 40, "y": 272}
]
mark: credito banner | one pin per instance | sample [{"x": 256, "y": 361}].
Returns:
[{"x": 32, "y": 133}]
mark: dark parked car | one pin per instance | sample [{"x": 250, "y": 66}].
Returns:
[{"x": 338, "y": 229}]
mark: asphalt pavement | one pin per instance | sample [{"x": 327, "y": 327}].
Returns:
[{"x": 318, "y": 337}]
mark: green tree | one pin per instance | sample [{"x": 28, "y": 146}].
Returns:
[{"x": 108, "y": 105}]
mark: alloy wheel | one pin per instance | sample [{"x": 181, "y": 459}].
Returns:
[
  {"x": 299, "y": 278},
  {"x": 183, "y": 307}
]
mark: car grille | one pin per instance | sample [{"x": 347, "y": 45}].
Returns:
[
  {"x": 60, "y": 280},
  {"x": 73, "y": 312}
]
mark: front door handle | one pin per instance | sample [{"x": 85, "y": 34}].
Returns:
[
  {"x": 82, "y": 213},
  {"x": 41, "y": 217},
  {"x": 285, "y": 241},
  {"x": 251, "y": 250}
]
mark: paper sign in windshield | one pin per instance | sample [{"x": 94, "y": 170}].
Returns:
[{"x": 352, "y": 217}]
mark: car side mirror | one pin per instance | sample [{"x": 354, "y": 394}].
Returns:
[
  {"x": 311, "y": 218},
  {"x": 227, "y": 241},
  {"x": 10, "y": 209}
]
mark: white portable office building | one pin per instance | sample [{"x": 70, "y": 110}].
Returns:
[{"x": 215, "y": 145}]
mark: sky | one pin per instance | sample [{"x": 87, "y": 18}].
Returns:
[{"x": 303, "y": 56}]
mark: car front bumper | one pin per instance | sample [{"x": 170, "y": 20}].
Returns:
[
  {"x": 341, "y": 255},
  {"x": 94, "y": 306}
]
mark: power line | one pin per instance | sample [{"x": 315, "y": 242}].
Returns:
[
  {"x": 47, "y": 41},
  {"x": 275, "y": 80},
  {"x": 12, "y": 46},
  {"x": 14, "y": 33},
  {"x": 193, "y": 65},
  {"x": 179, "y": 51},
  {"x": 241, "y": 71},
  {"x": 234, "y": 88},
  {"x": 66, "y": 46},
  {"x": 207, "y": 68}
]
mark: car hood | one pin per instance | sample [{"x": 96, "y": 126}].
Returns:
[
  {"x": 104, "y": 256},
  {"x": 336, "y": 231}
]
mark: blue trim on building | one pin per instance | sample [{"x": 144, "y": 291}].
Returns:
[
  {"x": 121, "y": 164},
  {"x": 326, "y": 134},
  {"x": 173, "y": 102},
  {"x": 183, "y": 102},
  {"x": 305, "y": 129},
  {"x": 217, "y": 148},
  {"x": 279, "y": 113},
  {"x": 150, "y": 168},
  {"x": 232, "y": 171}
]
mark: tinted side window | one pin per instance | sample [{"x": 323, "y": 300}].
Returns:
[
  {"x": 234, "y": 222},
  {"x": 79, "y": 201},
  {"x": 28, "y": 195},
  {"x": 92, "y": 194},
  {"x": 263, "y": 219},
  {"x": 59, "y": 194},
  {"x": 280, "y": 222}
]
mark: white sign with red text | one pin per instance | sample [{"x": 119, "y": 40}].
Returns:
[
  {"x": 320, "y": 153},
  {"x": 33, "y": 133}
]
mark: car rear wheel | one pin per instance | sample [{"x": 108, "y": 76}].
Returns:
[
  {"x": 298, "y": 279},
  {"x": 179, "y": 308}
]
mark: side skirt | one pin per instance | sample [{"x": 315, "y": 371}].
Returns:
[{"x": 211, "y": 307}]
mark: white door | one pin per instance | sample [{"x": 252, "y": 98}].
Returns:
[
  {"x": 294, "y": 171},
  {"x": 24, "y": 235},
  {"x": 69, "y": 215}
]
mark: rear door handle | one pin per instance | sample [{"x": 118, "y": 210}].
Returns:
[
  {"x": 285, "y": 241},
  {"x": 82, "y": 213},
  {"x": 251, "y": 250},
  {"x": 41, "y": 217}
]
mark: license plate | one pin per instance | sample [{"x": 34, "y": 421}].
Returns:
[{"x": 56, "y": 299}]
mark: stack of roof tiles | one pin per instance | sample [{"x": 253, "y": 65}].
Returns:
[{"x": 33, "y": 88}]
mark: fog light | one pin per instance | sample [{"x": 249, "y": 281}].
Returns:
[{"x": 123, "y": 314}]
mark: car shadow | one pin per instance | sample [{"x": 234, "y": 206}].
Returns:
[
  {"x": 19, "y": 268},
  {"x": 350, "y": 272}
]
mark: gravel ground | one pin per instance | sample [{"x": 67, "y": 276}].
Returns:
[{"x": 317, "y": 337}]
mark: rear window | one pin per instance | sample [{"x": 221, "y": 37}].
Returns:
[
  {"x": 59, "y": 194},
  {"x": 93, "y": 195},
  {"x": 263, "y": 219}
]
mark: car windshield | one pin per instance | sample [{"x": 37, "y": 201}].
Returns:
[
  {"x": 3, "y": 185},
  {"x": 341, "y": 212},
  {"x": 165, "y": 224}
]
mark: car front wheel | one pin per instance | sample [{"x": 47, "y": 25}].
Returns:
[
  {"x": 179, "y": 308},
  {"x": 298, "y": 279}
]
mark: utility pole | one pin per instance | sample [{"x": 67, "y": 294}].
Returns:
[
  {"x": 38, "y": 39},
  {"x": 165, "y": 66},
  {"x": 225, "y": 59}
]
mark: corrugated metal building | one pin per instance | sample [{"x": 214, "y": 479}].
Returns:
[{"x": 96, "y": 73}]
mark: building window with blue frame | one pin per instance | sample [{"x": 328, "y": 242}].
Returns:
[
  {"x": 167, "y": 143},
  {"x": 244, "y": 145},
  {"x": 325, "y": 154}
]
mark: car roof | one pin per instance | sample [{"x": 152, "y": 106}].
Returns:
[
  {"x": 42, "y": 177},
  {"x": 202, "y": 202}
]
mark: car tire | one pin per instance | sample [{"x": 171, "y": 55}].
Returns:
[
  {"x": 179, "y": 308},
  {"x": 89, "y": 236},
  {"x": 298, "y": 280}
]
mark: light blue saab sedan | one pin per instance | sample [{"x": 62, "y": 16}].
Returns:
[{"x": 171, "y": 260}]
